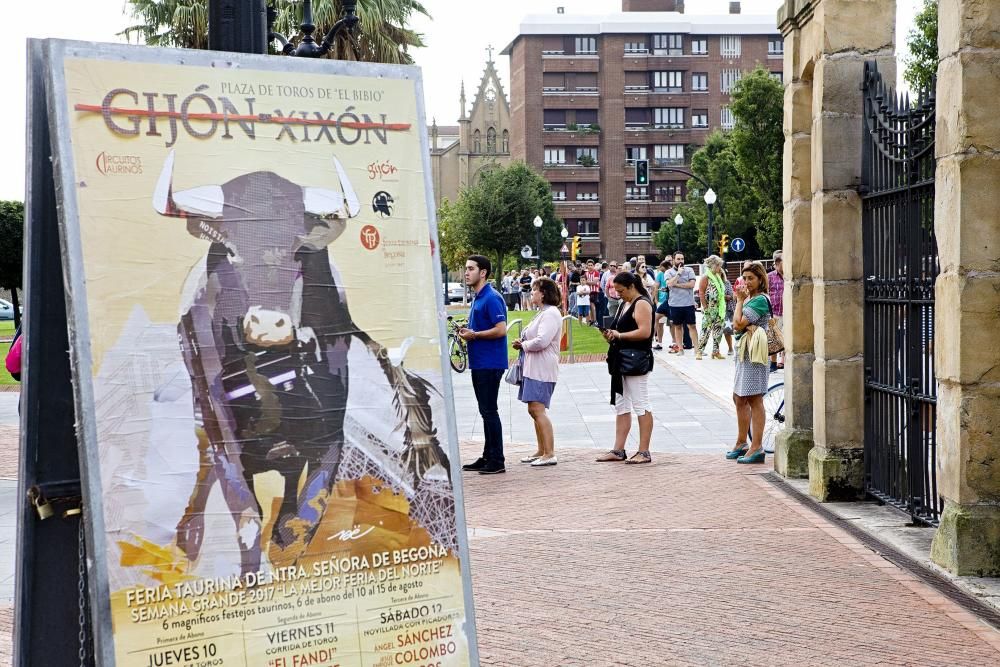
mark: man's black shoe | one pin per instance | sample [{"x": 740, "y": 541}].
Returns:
[
  {"x": 478, "y": 464},
  {"x": 492, "y": 469}
]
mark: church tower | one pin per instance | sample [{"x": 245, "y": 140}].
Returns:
[{"x": 483, "y": 137}]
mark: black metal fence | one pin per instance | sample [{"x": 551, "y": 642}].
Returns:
[{"x": 900, "y": 266}]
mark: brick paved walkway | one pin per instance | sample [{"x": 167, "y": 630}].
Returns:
[{"x": 689, "y": 561}]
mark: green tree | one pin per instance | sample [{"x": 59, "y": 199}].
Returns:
[
  {"x": 384, "y": 35},
  {"x": 452, "y": 234},
  {"x": 922, "y": 63},
  {"x": 758, "y": 141},
  {"x": 12, "y": 251},
  {"x": 715, "y": 163},
  {"x": 495, "y": 216}
]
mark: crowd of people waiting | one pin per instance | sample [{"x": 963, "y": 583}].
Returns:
[{"x": 634, "y": 305}]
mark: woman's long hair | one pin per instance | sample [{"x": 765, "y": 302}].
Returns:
[{"x": 626, "y": 279}]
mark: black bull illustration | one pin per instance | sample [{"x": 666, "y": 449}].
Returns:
[{"x": 265, "y": 339}]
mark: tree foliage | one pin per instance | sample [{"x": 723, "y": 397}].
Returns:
[
  {"x": 384, "y": 35},
  {"x": 714, "y": 163},
  {"x": 921, "y": 65},
  {"x": 758, "y": 140},
  {"x": 495, "y": 217},
  {"x": 12, "y": 250}
]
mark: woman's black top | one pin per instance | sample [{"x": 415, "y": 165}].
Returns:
[{"x": 624, "y": 323}]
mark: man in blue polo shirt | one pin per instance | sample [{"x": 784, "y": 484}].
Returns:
[{"x": 487, "y": 339}]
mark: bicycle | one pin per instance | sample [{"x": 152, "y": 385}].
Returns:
[
  {"x": 774, "y": 415},
  {"x": 458, "y": 352}
]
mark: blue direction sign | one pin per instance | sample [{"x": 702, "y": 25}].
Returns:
[{"x": 738, "y": 244}]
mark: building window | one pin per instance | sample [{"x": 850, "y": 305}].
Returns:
[
  {"x": 699, "y": 82},
  {"x": 775, "y": 46},
  {"x": 633, "y": 153},
  {"x": 730, "y": 77},
  {"x": 587, "y": 196},
  {"x": 637, "y": 228},
  {"x": 506, "y": 141},
  {"x": 670, "y": 82},
  {"x": 778, "y": 76},
  {"x": 586, "y": 46},
  {"x": 699, "y": 118},
  {"x": 635, "y": 47},
  {"x": 636, "y": 192},
  {"x": 477, "y": 142},
  {"x": 727, "y": 120},
  {"x": 586, "y": 156},
  {"x": 730, "y": 46},
  {"x": 671, "y": 117},
  {"x": 668, "y": 45},
  {"x": 491, "y": 140},
  {"x": 699, "y": 47},
  {"x": 672, "y": 192},
  {"x": 555, "y": 156},
  {"x": 586, "y": 228},
  {"x": 668, "y": 154},
  {"x": 559, "y": 194}
]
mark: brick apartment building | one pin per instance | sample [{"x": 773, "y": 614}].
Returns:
[{"x": 592, "y": 94}]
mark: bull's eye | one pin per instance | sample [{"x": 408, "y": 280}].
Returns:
[{"x": 280, "y": 322}]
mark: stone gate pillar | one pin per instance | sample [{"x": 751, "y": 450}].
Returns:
[
  {"x": 833, "y": 38},
  {"x": 793, "y": 445},
  {"x": 967, "y": 292}
]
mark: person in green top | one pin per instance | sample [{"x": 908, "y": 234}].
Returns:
[
  {"x": 714, "y": 290},
  {"x": 752, "y": 311}
]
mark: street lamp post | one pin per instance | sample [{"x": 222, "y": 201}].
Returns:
[
  {"x": 538, "y": 241},
  {"x": 308, "y": 48},
  {"x": 710, "y": 198},
  {"x": 678, "y": 221}
]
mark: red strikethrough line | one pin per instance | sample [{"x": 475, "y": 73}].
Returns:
[{"x": 259, "y": 118}]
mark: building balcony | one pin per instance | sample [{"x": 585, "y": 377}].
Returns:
[
  {"x": 665, "y": 162},
  {"x": 647, "y": 208},
  {"x": 573, "y": 209},
  {"x": 564, "y": 137},
  {"x": 571, "y": 173},
  {"x": 572, "y": 100},
  {"x": 570, "y": 63},
  {"x": 657, "y": 135},
  {"x": 579, "y": 90}
]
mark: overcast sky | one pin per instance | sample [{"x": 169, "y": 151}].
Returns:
[{"x": 456, "y": 38}]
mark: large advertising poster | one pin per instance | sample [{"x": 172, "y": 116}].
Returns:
[{"x": 257, "y": 343}]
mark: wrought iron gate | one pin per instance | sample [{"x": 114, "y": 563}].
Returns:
[{"x": 900, "y": 266}]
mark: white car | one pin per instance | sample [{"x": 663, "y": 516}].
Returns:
[
  {"x": 6, "y": 310},
  {"x": 455, "y": 292}
]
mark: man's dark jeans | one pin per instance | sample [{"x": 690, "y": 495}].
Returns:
[{"x": 486, "y": 384}]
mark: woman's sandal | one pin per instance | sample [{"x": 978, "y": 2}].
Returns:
[
  {"x": 613, "y": 455},
  {"x": 640, "y": 457}
]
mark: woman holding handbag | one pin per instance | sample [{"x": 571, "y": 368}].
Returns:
[
  {"x": 630, "y": 360},
  {"x": 539, "y": 346}
]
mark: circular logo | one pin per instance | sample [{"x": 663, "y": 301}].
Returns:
[{"x": 370, "y": 237}]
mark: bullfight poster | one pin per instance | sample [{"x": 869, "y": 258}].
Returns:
[{"x": 270, "y": 461}]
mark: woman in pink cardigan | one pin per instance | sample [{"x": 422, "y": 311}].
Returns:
[{"x": 540, "y": 370}]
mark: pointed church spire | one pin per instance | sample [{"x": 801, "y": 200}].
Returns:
[{"x": 462, "y": 101}]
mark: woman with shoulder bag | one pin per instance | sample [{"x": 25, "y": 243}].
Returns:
[
  {"x": 630, "y": 360},
  {"x": 751, "y": 322},
  {"x": 539, "y": 346}
]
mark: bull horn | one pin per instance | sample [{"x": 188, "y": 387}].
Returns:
[
  {"x": 206, "y": 201},
  {"x": 323, "y": 202}
]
